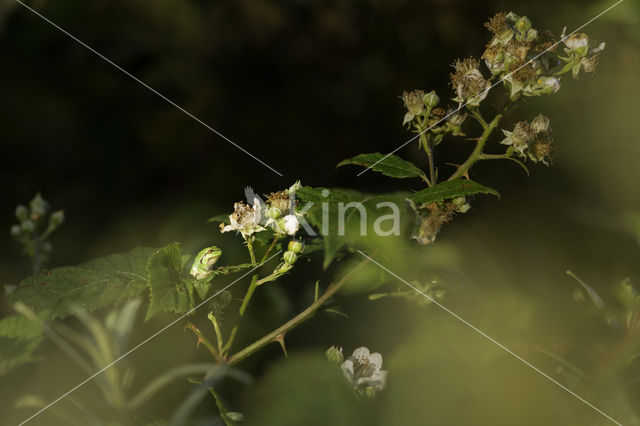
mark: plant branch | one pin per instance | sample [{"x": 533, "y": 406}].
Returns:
[
  {"x": 297, "y": 320},
  {"x": 477, "y": 152},
  {"x": 241, "y": 311},
  {"x": 203, "y": 340}
]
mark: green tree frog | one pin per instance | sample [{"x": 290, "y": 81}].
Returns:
[{"x": 204, "y": 261}]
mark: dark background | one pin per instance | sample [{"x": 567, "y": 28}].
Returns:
[{"x": 301, "y": 85}]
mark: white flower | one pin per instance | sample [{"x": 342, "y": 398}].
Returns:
[
  {"x": 291, "y": 224},
  {"x": 245, "y": 219},
  {"x": 364, "y": 370}
]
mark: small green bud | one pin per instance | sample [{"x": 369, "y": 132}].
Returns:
[
  {"x": 39, "y": 207},
  {"x": 523, "y": 24},
  {"x": 290, "y": 257},
  {"x": 22, "y": 213},
  {"x": 273, "y": 212},
  {"x": 46, "y": 247},
  {"x": 15, "y": 230},
  {"x": 56, "y": 219},
  {"x": 28, "y": 226},
  {"x": 430, "y": 99},
  {"x": 283, "y": 268},
  {"x": 334, "y": 354},
  {"x": 370, "y": 392},
  {"x": 296, "y": 246}
]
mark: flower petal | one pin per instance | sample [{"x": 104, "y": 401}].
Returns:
[
  {"x": 361, "y": 353},
  {"x": 375, "y": 360}
]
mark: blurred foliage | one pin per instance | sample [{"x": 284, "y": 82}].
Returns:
[{"x": 276, "y": 76}]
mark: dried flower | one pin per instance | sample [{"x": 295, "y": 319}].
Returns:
[
  {"x": 470, "y": 85},
  {"x": 245, "y": 219},
  {"x": 414, "y": 103}
]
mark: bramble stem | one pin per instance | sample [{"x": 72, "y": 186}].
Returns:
[
  {"x": 241, "y": 311},
  {"x": 203, "y": 340},
  {"x": 297, "y": 320},
  {"x": 477, "y": 152},
  {"x": 266, "y": 254},
  {"x": 250, "y": 248}
]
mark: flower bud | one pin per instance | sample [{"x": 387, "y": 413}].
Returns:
[
  {"x": 28, "y": 226},
  {"x": 296, "y": 246},
  {"x": 282, "y": 268},
  {"x": 430, "y": 99},
  {"x": 273, "y": 212},
  {"x": 56, "y": 219},
  {"x": 15, "y": 231},
  {"x": 22, "y": 213},
  {"x": 523, "y": 24},
  {"x": 334, "y": 354},
  {"x": 39, "y": 207},
  {"x": 290, "y": 257}
]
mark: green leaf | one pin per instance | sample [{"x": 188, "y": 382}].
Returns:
[
  {"x": 19, "y": 338},
  {"x": 170, "y": 292},
  {"x": 389, "y": 165},
  {"x": 326, "y": 204},
  {"x": 101, "y": 282},
  {"x": 224, "y": 218},
  {"x": 451, "y": 189}
]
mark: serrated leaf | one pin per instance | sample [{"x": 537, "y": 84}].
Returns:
[
  {"x": 170, "y": 292},
  {"x": 101, "y": 282},
  {"x": 326, "y": 202},
  {"x": 387, "y": 164},
  {"x": 452, "y": 189}
]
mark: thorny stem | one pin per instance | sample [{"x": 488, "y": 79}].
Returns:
[
  {"x": 482, "y": 140},
  {"x": 297, "y": 320},
  {"x": 203, "y": 340},
  {"x": 218, "y": 331},
  {"x": 241, "y": 311}
]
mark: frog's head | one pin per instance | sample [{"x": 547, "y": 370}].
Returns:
[{"x": 210, "y": 256}]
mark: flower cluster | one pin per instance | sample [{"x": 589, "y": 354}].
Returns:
[
  {"x": 34, "y": 228},
  {"x": 290, "y": 256},
  {"x": 423, "y": 113},
  {"x": 362, "y": 369},
  {"x": 430, "y": 217},
  {"x": 531, "y": 140},
  {"x": 277, "y": 213},
  {"x": 470, "y": 85},
  {"x": 521, "y": 56}
]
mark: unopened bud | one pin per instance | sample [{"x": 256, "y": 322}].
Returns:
[
  {"x": 296, "y": 246},
  {"x": 335, "y": 355},
  {"x": 56, "y": 219},
  {"x": 290, "y": 257},
  {"x": 22, "y": 213},
  {"x": 273, "y": 213},
  {"x": 431, "y": 100},
  {"x": 28, "y": 226},
  {"x": 15, "y": 231},
  {"x": 39, "y": 207},
  {"x": 523, "y": 24}
]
